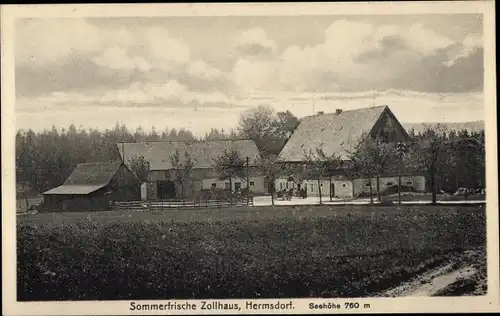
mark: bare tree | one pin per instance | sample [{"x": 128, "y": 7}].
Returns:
[
  {"x": 270, "y": 167},
  {"x": 140, "y": 167},
  {"x": 230, "y": 165},
  {"x": 257, "y": 123},
  {"x": 428, "y": 154},
  {"x": 363, "y": 161},
  {"x": 182, "y": 169},
  {"x": 320, "y": 164}
]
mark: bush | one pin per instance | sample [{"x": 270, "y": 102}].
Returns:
[
  {"x": 394, "y": 189},
  {"x": 350, "y": 254},
  {"x": 386, "y": 202}
]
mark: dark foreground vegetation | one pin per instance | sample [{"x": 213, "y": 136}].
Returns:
[{"x": 259, "y": 252}]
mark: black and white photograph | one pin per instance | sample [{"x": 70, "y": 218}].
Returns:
[{"x": 212, "y": 162}]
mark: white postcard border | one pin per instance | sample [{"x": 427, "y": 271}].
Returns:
[{"x": 488, "y": 303}]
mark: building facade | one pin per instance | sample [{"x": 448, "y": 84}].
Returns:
[
  {"x": 338, "y": 134},
  {"x": 162, "y": 182},
  {"x": 93, "y": 187}
]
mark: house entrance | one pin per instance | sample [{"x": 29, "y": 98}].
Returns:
[
  {"x": 166, "y": 189},
  {"x": 332, "y": 190},
  {"x": 237, "y": 186}
]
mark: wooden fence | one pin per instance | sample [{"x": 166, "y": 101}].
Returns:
[{"x": 178, "y": 204}]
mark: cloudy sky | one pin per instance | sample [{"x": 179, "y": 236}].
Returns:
[{"x": 201, "y": 72}]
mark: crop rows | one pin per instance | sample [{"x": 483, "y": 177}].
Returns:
[{"x": 352, "y": 255}]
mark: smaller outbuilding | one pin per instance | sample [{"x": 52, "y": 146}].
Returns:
[{"x": 93, "y": 187}]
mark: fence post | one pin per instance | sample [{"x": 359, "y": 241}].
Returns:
[{"x": 248, "y": 182}]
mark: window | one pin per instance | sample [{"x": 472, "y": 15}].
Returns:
[
  {"x": 227, "y": 186},
  {"x": 252, "y": 183},
  {"x": 390, "y": 183},
  {"x": 237, "y": 185},
  {"x": 214, "y": 185},
  {"x": 343, "y": 185},
  {"x": 409, "y": 182},
  {"x": 312, "y": 187},
  {"x": 281, "y": 185},
  {"x": 367, "y": 184},
  {"x": 286, "y": 185},
  {"x": 321, "y": 184}
]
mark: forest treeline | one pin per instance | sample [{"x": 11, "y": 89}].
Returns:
[{"x": 45, "y": 159}]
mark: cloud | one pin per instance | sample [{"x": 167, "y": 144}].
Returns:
[
  {"x": 41, "y": 41},
  {"x": 470, "y": 45},
  {"x": 255, "y": 42},
  {"x": 201, "y": 69},
  {"x": 81, "y": 56},
  {"x": 163, "y": 107},
  {"x": 77, "y": 55},
  {"x": 359, "y": 55},
  {"x": 144, "y": 95},
  {"x": 118, "y": 58}
]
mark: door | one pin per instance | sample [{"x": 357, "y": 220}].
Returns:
[
  {"x": 166, "y": 189},
  {"x": 332, "y": 190},
  {"x": 237, "y": 186}
]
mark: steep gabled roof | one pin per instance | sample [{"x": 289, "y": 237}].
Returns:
[
  {"x": 87, "y": 178},
  {"x": 93, "y": 173},
  {"x": 334, "y": 133},
  {"x": 202, "y": 152}
]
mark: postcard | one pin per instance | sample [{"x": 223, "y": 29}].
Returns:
[{"x": 283, "y": 158}]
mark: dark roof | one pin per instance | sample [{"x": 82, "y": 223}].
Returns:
[
  {"x": 334, "y": 133},
  {"x": 87, "y": 178},
  {"x": 202, "y": 152},
  {"x": 93, "y": 173}
]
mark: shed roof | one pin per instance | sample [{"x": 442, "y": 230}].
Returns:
[
  {"x": 334, "y": 133},
  {"x": 202, "y": 152},
  {"x": 74, "y": 189},
  {"x": 93, "y": 173},
  {"x": 87, "y": 178}
]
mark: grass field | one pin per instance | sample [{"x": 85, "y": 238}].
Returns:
[{"x": 257, "y": 252}]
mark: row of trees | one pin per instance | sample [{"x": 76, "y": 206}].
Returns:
[
  {"x": 448, "y": 159},
  {"x": 45, "y": 159}
]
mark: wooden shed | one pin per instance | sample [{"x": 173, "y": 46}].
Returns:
[{"x": 93, "y": 187}]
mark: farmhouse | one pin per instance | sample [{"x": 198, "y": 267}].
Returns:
[
  {"x": 161, "y": 182},
  {"x": 339, "y": 133},
  {"x": 92, "y": 186}
]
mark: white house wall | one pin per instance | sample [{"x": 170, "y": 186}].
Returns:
[
  {"x": 347, "y": 189},
  {"x": 361, "y": 185},
  {"x": 257, "y": 187},
  {"x": 343, "y": 188}
]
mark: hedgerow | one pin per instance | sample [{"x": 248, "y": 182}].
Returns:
[{"x": 353, "y": 255}]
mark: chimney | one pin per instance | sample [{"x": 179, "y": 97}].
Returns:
[
  {"x": 338, "y": 111},
  {"x": 321, "y": 113}
]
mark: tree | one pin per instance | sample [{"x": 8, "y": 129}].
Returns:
[
  {"x": 140, "y": 167},
  {"x": 320, "y": 164},
  {"x": 230, "y": 165},
  {"x": 284, "y": 124},
  {"x": 375, "y": 153},
  {"x": 270, "y": 167},
  {"x": 429, "y": 153},
  {"x": 269, "y": 130},
  {"x": 182, "y": 170},
  {"x": 363, "y": 161},
  {"x": 256, "y": 123}
]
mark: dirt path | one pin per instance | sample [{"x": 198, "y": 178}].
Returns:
[{"x": 436, "y": 281}]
